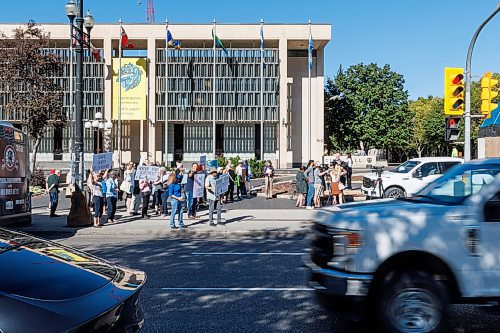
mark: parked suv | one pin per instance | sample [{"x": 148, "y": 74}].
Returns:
[
  {"x": 407, "y": 178},
  {"x": 405, "y": 260}
]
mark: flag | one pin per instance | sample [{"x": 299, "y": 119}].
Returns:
[
  {"x": 218, "y": 43},
  {"x": 95, "y": 53},
  {"x": 124, "y": 41},
  {"x": 170, "y": 38},
  {"x": 177, "y": 44},
  {"x": 310, "y": 52}
]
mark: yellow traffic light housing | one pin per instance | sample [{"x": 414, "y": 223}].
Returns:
[
  {"x": 487, "y": 94},
  {"x": 453, "y": 91}
]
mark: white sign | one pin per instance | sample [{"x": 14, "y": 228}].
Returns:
[
  {"x": 199, "y": 185},
  {"x": 102, "y": 161},
  {"x": 143, "y": 171},
  {"x": 221, "y": 184},
  {"x": 203, "y": 160}
]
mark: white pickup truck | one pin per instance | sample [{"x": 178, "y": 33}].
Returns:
[{"x": 403, "y": 261}]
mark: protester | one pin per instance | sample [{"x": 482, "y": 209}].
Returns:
[
  {"x": 112, "y": 196},
  {"x": 213, "y": 201},
  {"x": 136, "y": 195},
  {"x": 160, "y": 189},
  {"x": 145, "y": 187},
  {"x": 309, "y": 173},
  {"x": 188, "y": 190},
  {"x": 52, "y": 189},
  {"x": 269, "y": 175},
  {"x": 232, "y": 182},
  {"x": 349, "y": 164},
  {"x": 318, "y": 184},
  {"x": 337, "y": 185},
  {"x": 176, "y": 199},
  {"x": 94, "y": 182},
  {"x": 248, "y": 184},
  {"x": 240, "y": 180},
  {"x": 301, "y": 187},
  {"x": 127, "y": 184}
]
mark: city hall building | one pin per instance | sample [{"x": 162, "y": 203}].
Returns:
[{"x": 167, "y": 93}]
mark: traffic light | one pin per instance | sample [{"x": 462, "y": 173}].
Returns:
[
  {"x": 452, "y": 131},
  {"x": 453, "y": 91},
  {"x": 487, "y": 94}
]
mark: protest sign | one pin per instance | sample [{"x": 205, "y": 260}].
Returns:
[
  {"x": 102, "y": 161},
  {"x": 199, "y": 185},
  {"x": 143, "y": 171},
  {"x": 203, "y": 160},
  {"x": 221, "y": 184}
]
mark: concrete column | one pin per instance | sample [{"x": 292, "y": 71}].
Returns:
[
  {"x": 318, "y": 106},
  {"x": 282, "y": 144},
  {"x": 108, "y": 95},
  {"x": 151, "y": 113}
]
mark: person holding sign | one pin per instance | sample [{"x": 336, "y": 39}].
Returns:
[
  {"x": 94, "y": 183},
  {"x": 269, "y": 175},
  {"x": 112, "y": 196},
  {"x": 176, "y": 200},
  {"x": 213, "y": 201},
  {"x": 188, "y": 190}
]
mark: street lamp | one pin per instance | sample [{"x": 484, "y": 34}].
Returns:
[
  {"x": 99, "y": 124},
  {"x": 79, "y": 214}
]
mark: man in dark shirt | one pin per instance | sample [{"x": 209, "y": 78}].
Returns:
[
  {"x": 53, "y": 191},
  {"x": 188, "y": 190}
]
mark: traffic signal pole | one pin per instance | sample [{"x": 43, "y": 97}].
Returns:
[{"x": 467, "y": 116}]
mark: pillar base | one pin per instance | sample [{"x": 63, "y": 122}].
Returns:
[{"x": 79, "y": 214}]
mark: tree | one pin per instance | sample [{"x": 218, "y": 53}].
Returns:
[
  {"x": 427, "y": 125},
  {"x": 28, "y": 72},
  {"x": 375, "y": 109}
]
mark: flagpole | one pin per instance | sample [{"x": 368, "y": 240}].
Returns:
[
  {"x": 309, "y": 94},
  {"x": 71, "y": 113},
  {"x": 120, "y": 97},
  {"x": 262, "y": 89},
  {"x": 166, "y": 95},
  {"x": 213, "y": 89}
]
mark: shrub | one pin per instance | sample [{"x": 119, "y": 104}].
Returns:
[
  {"x": 256, "y": 167},
  {"x": 37, "y": 178}
]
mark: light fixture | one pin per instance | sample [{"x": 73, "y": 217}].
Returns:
[
  {"x": 88, "y": 124},
  {"x": 109, "y": 125},
  {"x": 95, "y": 124},
  {"x": 71, "y": 10},
  {"x": 101, "y": 126},
  {"x": 98, "y": 115},
  {"x": 88, "y": 22}
]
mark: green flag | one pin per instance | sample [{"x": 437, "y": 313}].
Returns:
[{"x": 218, "y": 42}]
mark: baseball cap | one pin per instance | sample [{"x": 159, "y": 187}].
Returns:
[
  {"x": 213, "y": 169},
  {"x": 318, "y": 164}
]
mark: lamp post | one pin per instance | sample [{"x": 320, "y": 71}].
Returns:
[
  {"x": 99, "y": 124},
  {"x": 79, "y": 214}
]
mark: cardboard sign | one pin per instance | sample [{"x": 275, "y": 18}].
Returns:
[
  {"x": 221, "y": 184},
  {"x": 102, "y": 161},
  {"x": 199, "y": 185},
  {"x": 143, "y": 171},
  {"x": 203, "y": 160}
]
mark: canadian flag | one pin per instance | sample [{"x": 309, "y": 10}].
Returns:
[
  {"x": 124, "y": 41},
  {"x": 95, "y": 53}
]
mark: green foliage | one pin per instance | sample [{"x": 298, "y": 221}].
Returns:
[
  {"x": 256, "y": 167},
  {"x": 234, "y": 160},
  {"x": 368, "y": 101},
  {"x": 37, "y": 178},
  {"x": 222, "y": 161},
  {"x": 428, "y": 125}
]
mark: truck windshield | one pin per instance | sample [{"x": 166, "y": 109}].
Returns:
[
  {"x": 460, "y": 182},
  {"x": 406, "y": 167}
]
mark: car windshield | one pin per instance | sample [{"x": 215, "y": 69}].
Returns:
[
  {"x": 460, "y": 182},
  {"x": 406, "y": 167}
]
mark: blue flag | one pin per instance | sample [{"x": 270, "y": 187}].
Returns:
[
  {"x": 261, "y": 37},
  {"x": 310, "y": 52},
  {"x": 170, "y": 39}
]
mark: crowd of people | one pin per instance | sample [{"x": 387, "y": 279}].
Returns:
[
  {"x": 318, "y": 185},
  {"x": 169, "y": 189}
]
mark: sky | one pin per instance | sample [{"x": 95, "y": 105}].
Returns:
[{"x": 417, "y": 38}]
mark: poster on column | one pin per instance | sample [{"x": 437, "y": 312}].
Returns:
[
  {"x": 199, "y": 185},
  {"x": 221, "y": 184},
  {"x": 102, "y": 161},
  {"x": 134, "y": 88}
]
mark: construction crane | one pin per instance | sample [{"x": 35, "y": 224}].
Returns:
[{"x": 150, "y": 11}]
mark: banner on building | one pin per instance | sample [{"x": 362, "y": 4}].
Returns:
[
  {"x": 199, "y": 185},
  {"x": 134, "y": 88},
  {"x": 221, "y": 184},
  {"x": 143, "y": 171},
  {"x": 102, "y": 161}
]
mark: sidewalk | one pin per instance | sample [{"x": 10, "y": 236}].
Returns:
[{"x": 238, "y": 223}]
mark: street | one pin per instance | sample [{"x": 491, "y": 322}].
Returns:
[{"x": 234, "y": 285}]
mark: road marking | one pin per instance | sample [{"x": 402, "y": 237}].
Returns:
[
  {"x": 237, "y": 289},
  {"x": 247, "y": 253}
]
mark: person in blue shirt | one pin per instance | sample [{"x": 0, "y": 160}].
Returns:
[
  {"x": 176, "y": 200},
  {"x": 111, "y": 196}
]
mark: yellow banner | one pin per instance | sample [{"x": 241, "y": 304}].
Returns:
[{"x": 134, "y": 88}]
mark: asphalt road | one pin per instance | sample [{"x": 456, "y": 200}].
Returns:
[{"x": 207, "y": 285}]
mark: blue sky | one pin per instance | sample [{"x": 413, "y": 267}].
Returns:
[{"x": 417, "y": 38}]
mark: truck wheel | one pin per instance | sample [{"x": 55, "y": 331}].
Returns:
[
  {"x": 394, "y": 192},
  {"x": 413, "y": 302}
]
